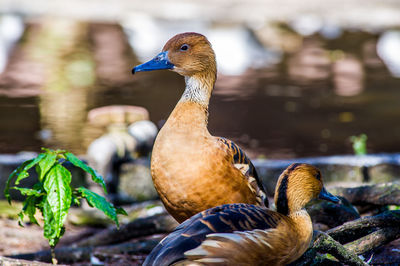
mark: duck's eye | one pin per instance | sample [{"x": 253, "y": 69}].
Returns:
[
  {"x": 184, "y": 47},
  {"x": 318, "y": 176}
]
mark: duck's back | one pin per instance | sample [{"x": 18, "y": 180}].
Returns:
[{"x": 222, "y": 219}]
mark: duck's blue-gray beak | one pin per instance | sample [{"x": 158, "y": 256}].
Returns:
[
  {"x": 328, "y": 196},
  {"x": 159, "y": 62}
]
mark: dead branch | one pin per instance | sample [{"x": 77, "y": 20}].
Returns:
[
  {"x": 72, "y": 255},
  {"x": 366, "y": 233},
  {"x": 355, "y": 229},
  {"x": 157, "y": 224},
  {"x": 378, "y": 194},
  {"x": 326, "y": 244},
  {"x": 374, "y": 240},
  {"x": 4, "y": 261}
]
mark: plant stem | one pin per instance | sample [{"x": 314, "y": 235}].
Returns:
[{"x": 53, "y": 256}]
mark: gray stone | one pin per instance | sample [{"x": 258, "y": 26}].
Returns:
[
  {"x": 336, "y": 169},
  {"x": 136, "y": 182}
]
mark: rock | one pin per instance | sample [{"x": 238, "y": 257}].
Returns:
[
  {"x": 117, "y": 114},
  {"x": 336, "y": 169},
  {"x": 384, "y": 173},
  {"x": 136, "y": 181},
  {"x": 144, "y": 132},
  {"x": 121, "y": 144}
]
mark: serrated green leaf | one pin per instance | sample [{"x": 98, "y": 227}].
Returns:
[
  {"x": 38, "y": 186},
  {"x": 57, "y": 186},
  {"x": 49, "y": 228},
  {"x": 21, "y": 218},
  {"x": 121, "y": 211},
  {"x": 50, "y": 231},
  {"x": 29, "y": 191},
  {"x": 30, "y": 208},
  {"x": 22, "y": 175},
  {"x": 24, "y": 172},
  {"x": 11, "y": 176},
  {"x": 100, "y": 203},
  {"x": 78, "y": 163},
  {"x": 46, "y": 163},
  {"x": 47, "y": 150},
  {"x": 75, "y": 200}
]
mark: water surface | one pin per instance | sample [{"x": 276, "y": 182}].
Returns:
[{"x": 308, "y": 104}]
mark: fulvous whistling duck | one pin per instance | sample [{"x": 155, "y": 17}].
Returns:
[
  {"x": 244, "y": 234},
  {"x": 192, "y": 170}
]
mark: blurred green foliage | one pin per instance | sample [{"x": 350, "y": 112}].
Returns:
[{"x": 359, "y": 144}]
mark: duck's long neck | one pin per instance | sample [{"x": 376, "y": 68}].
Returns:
[
  {"x": 288, "y": 197},
  {"x": 191, "y": 112},
  {"x": 290, "y": 202},
  {"x": 299, "y": 218},
  {"x": 198, "y": 89}
]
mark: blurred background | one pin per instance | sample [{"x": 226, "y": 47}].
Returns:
[{"x": 295, "y": 79}]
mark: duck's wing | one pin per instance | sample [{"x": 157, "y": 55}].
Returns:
[
  {"x": 252, "y": 247},
  {"x": 190, "y": 234},
  {"x": 242, "y": 162}
]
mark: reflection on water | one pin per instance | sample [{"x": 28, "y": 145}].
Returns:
[
  {"x": 70, "y": 74},
  {"x": 389, "y": 50},
  {"x": 11, "y": 29},
  {"x": 323, "y": 91},
  {"x": 236, "y": 47}
]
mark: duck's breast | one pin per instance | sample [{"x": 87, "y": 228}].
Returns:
[{"x": 194, "y": 173}]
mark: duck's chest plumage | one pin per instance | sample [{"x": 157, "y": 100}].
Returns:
[{"x": 191, "y": 170}]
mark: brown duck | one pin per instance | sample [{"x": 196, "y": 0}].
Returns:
[
  {"x": 191, "y": 169},
  {"x": 244, "y": 234}
]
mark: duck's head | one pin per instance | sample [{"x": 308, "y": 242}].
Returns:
[
  {"x": 297, "y": 185},
  {"x": 188, "y": 54}
]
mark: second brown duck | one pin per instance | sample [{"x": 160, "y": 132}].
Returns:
[{"x": 244, "y": 234}]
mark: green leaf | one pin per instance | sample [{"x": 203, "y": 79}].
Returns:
[
  {"x": 75, "y": 200},
  {"x": 101, "y": 203},
  {"x": 359, "y": 144},
  {"x": 50, "y": 229},
  {"x": 57, "y": 186},
  {"x": 121, "y": 211},
  {"x": 46, "y": 163},
  {"x": 21, "y": 218},
  {"x": 30, "y": 208},
  {"x": 29, "y": 191},
  {"x": 11, "y": 176},
  {"x": 22, "y": 175},
  {"x": 21, "y": 172},
  {"x": 78, "y": 163},
  {"x": 24, "y": 172}
]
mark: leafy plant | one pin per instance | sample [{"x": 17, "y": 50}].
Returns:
[
  {"x": 359, "y": 144},
  {"x": 53, "y": 194}
]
